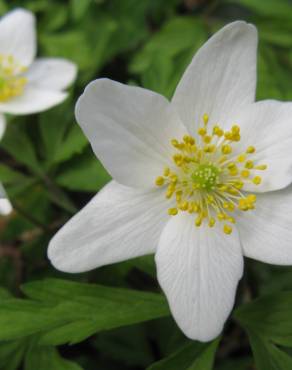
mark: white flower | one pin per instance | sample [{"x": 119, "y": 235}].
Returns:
[
  {"x": 28, "y": 85},
  {"x": 5, "y": 206},
  {"x": 197, "y": 181}
]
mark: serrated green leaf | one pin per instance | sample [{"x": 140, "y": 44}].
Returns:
[{"x": 64, "y": 307}]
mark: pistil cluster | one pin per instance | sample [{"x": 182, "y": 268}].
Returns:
[
  {"x": 12, "y": 81},
  {"x": 207, "y": 179}
]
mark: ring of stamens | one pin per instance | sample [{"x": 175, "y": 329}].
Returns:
[
  {"x": 12, "y": 81},
  {"x": 207, "y": 179}
]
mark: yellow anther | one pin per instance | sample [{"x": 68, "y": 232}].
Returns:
[
  {"x": 233, "y": 171},
  {"x": 166, "y": 171},
  {"x": 173, "y": 178},
  {"x": 159, "y": 181},
  {"x": 12, "y": 83},
  {"x": 184, "y": 206},
  {"x": 205, "y": 118},
  {"x": 238, "y": 185},
  {"x": 241, "y": 158},
  {"x": 207, "y": 139},
  {"x": 250, "y": 150},
  {"x": 177, "y": 157},
  {"x": 212, "y": 222},
  {"x": 235, "y": 129},
  {"x": 227, "y": 229},
  {"x": 249, "y": 164},
  {"x": 218, "y": 131},
  {"x": 172, "y": 211},
  {"x": 231, "y": 165},
  {"x": 228, "y": 135},
  {"x": 178, "y": 196},
  {"x": 251, "y": 198},
  {"x": 175, "y": 143},
  {"x": 257, "y": 180},
  {"x": 261, "y": 167},
  {"x": 202, "y": 131},
  {"x": 236, "y": 137},
  {"x": 209, "y": 148},
  {"x": 189, "y": 139},
  {"x": 198, "y": 221},
  {"x": 226, "y": 149},
  {"x": 221, "y": 216},
  {"x": 245, "y": 173},
  {"x": 231, "y": 219},
  {"x": 243, "y": 205},
  {"x": 222, "y": 159}
]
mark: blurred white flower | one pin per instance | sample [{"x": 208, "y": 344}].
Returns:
[
  {"x": 5, "y": 205},
  {"x": 28, "y": 85},
  {"x": 199, "y": 181}
]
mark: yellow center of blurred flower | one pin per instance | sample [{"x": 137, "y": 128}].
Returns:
[
  {"x": 207, "y": 178},
  {"x": 12, "y": 81}
]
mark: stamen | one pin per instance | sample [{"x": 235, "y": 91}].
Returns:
[
  {"x": 206, "y": 180},
  {"x": 12, "y": 81}
]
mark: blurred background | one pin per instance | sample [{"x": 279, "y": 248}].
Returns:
[{"x": 50, "y": 172}]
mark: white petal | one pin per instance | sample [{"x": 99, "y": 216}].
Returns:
[
  {"x": 18, "y": 36},
  {"x": 5, "y": 207},
  {"x": 130, "y": 129},
  {"x": 198, "y": 269},
  {"x": 266, "y": 233},
  {"x": 119, "y": 223},
  {"x": 267, "y": 126},
  {"x": 33, "y": 100},
  {"x": 221, "y": 78},
  {"x": 2, "y": 125},
  {"x": 52, "y": 73}
]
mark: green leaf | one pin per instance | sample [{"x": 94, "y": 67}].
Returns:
[
  {"x": 47, "y": 358},
  {"x": 267, "y": 356},
  {"x": 53, "y": 125},
  {"x": 65, "y": 311},
  {"x": 79, "y": 8},
  {"x": 18, "y": 144},
  {"x": 83, "y": 173},
  {"x": 11, "y": 354},
  {"x": 164, "y": 58},
  {"x": 280, "y": 9},
  {"x": 10, "y": 176},
  {"x": 244, "y": 363},
  {"x": 193, "y": 356},
  {"x": 271, "y": 316},
  {"x": 73, "y": 143}
]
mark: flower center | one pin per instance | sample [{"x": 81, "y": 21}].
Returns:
[
  {"x": 207, "y": 178},
  {"x": 12, "y": 81}
]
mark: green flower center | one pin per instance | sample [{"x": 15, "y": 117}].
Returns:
[{"x": 206, "y": 176}]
